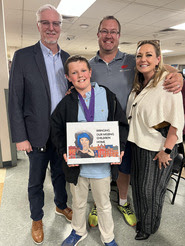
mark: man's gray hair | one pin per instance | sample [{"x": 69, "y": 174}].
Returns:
[{"x": 46, "y": 7}]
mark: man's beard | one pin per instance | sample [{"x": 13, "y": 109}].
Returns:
[{"x": 50, "y": 41}]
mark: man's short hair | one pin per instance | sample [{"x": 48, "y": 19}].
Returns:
[
  {"x": 110, "y": 17},
  {"x": 46, "y": 7}
]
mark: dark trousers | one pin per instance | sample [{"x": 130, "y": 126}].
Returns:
[
  {"x": 37, "y": 172},
  {"x": 149, "y": 185}
]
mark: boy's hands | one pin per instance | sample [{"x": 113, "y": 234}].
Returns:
[
  {"x": 113, "y": 163},
  {"x": 71, "y": 165}
]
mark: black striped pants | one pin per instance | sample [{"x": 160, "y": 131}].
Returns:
[{"x": 149, "y": 185}]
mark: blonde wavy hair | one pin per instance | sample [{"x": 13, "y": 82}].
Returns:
[{"x": 160, "y": 69}]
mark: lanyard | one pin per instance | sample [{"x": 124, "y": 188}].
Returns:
[{"x": 89, "y": 113}]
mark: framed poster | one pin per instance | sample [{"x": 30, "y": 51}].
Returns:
[{"x": 93, "y": 142}]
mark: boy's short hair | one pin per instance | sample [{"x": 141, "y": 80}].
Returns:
[{"x": 75, "y": 58}]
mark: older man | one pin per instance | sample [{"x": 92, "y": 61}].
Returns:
[{"x": 37, "y": 84}]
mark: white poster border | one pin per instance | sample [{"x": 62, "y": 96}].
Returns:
[{"x": 103, "y": 138}]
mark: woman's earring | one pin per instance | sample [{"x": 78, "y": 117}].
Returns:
[{"x": 157, "y": 68}]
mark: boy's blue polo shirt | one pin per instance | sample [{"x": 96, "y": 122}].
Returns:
[{"x": 102, "y": 170}]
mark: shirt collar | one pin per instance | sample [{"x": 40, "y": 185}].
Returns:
[
  {"x": 47, "y": 51},
  {"x": 118, "y": 56},
  {"x": 95, "y": 86}
]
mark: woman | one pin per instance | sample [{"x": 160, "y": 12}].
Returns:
[
  {"x": 156, "y": 122},
  {"x": 83, "y": 141}
]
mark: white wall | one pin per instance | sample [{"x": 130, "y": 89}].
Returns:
[{"x": 4, "y": 131}]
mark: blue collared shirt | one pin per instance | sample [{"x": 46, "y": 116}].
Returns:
[
  {"x": 55, "y": 70},
  {"x": 100, "y": 114}
]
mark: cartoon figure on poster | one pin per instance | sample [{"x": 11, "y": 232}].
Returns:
[{"x": 83, "y": 141}]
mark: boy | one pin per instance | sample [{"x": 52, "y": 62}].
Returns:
[{"x": 88, "y": 102}]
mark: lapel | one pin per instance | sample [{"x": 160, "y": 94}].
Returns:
[
  {"x": 143, "y": 93},
  {"x": 135, "y": 100},
  {"x": 41, "y": 65},
  {"x": 63, "y": 58},
  {"x": 64, "y": 55}
]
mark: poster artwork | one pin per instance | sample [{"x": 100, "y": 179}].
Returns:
[{"x": 93, "y": 142}]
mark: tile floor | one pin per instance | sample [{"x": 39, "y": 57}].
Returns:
[{"x": 15, "y": 224}]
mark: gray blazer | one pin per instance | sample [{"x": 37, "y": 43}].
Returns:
[{"x": 29, "y": 96}]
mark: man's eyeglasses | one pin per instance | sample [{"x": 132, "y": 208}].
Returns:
[
  {"x": 106, "y": 32},
  {"x": 47, "y": 23}
]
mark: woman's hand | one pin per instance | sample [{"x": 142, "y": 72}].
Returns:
[
  {"x": 163, "y": 159},
  {"x": 71, "y": 165},
  {"x": 121, "y": 156}
]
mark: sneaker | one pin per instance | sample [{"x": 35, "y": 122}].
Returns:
[
  {"x": 93, "y": 218},
  {"x": 128, "y": 214},
  {"x": 73, "y": 239},
  {"x": 112, "y": 243}
]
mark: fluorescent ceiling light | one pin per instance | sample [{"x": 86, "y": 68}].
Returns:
[
  {"x": 84, "y": 26},
  {"x": 74, "y": 7},
  {"x": 179, "y": 27},
  {"x": 166, "y": 51}
]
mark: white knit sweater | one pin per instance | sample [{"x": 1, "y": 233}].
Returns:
[{"x": 151, "y": 107}]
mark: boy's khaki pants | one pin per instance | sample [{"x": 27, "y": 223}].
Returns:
[{"x": 100, "y": 190}]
